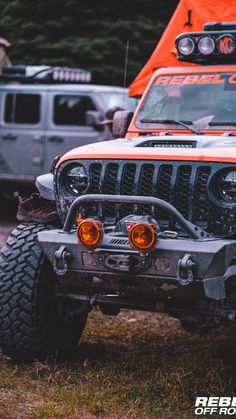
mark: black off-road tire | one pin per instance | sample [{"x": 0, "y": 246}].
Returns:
[{"x": 32, "y": 325}]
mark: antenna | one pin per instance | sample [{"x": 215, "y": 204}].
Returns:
[
  {"x": 125, "y": 71},
  {"x": 126, "y": 62}
]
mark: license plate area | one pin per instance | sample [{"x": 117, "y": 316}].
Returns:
[{"x": 117, "y": 262}]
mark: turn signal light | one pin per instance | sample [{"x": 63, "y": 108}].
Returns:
[
  {"x": 89, "y": 232},
  {"x": 143, "y": 236}
]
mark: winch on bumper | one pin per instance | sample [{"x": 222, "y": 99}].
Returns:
[{"x": 177, "y": 265}]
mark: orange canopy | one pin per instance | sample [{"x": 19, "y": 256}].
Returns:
[{"x": 189, "y": 16}]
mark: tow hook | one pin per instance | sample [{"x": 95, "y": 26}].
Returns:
[
  {"x": 185, "y": 270},
  {"x": 62, "y": 257}
]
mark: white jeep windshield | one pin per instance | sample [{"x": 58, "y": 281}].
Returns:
[
  {"x": 112, "y": 99},
  {"x": 206, "y": 100}
]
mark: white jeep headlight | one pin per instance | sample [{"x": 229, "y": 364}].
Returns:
[{"x": 76, "y": 179}]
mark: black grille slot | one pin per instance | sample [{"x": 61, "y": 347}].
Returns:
[
  {"x": 163, "y": 187},
  {"x": 127, "y": 187},
  {"x": 94, "y": 174},
  {"x": 128, "y": 178},
  {"x": 164, "y": 182},
  {"x": 145, "y": 186},
  {"x": 182, "y": 190},
  {"x": 201, "y": 203},
  {"x": 109, "y": 186}
]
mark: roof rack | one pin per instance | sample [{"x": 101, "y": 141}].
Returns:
[
  {"x": 220, "y": 26},
  {"x": 44, "y": 74}
]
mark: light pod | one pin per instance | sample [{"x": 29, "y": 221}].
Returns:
[
  {"x": 143, "y": 236},
  {"x": 89, "y": 232},
  {"x": 186, "y": 46},
  {"x": 226, "y": 44},
  {"x": 206, "y": 45}
]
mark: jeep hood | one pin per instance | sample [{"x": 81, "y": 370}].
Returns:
[{"x": 161, "y": 147}]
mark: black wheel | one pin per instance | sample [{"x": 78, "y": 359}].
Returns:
[{"x": 32, "y": 324}]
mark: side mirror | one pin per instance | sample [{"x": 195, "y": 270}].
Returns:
[
  {"x": 121, "y": 123},
  {"x": 44, "y": 184},
  {"x": 93, "y": 119}
]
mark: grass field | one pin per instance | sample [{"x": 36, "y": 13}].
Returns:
[{"x": 136, "y": 365}]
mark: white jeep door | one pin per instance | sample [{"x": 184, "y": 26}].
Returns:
[{"x": 21, "y": 135}]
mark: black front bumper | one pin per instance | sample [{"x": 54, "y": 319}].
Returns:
[{"x": 199, "y": 264}]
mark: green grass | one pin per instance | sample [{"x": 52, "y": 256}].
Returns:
[{"x": 136, "y": 365}]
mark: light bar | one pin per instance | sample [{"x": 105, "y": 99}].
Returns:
[
  {"x": 45, "y": 74},
  {"x": 209, "y": 46},
  {"x": 72, "y": 75}
]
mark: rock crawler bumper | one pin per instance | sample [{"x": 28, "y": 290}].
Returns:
[{"x": 198, "y": 265}]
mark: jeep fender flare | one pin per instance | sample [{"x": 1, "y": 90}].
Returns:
[{"x": 44, "y": 184}]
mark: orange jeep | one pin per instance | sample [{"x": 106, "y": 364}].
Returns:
[{"x": 147, "y": 222}]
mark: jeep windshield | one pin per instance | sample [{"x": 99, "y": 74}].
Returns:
[
  {"x": 202, "y": 101},
  {"x": 112, "y": 99}
]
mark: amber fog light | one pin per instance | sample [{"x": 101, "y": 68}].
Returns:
[
  {"x": 89, "y": 232},
  {"x": 143, "y": 236}
]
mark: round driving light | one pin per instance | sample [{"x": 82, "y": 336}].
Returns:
[
  {"x": 206, "y": 45},
  {"x": 89, "y": 232},
  {"x": 186, "y": 46},
  {"x": 227, "y": 186},
  {"x": 226, "y": 45},
  {"x": 143, "y": 236},
  {"x": 76, "y": 179}
]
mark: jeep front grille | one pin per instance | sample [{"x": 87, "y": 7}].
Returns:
[{"x": 183, "y": 184}]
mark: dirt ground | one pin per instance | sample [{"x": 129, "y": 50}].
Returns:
[{"x": 135, "y": 365}]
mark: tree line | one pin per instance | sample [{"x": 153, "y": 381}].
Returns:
[{"x": 85, "y": 33}]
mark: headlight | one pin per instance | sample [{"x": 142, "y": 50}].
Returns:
[
  {"x": 76, "y": 179},
  {"x": 206, "y": 45},
  {"x": 186, "y": 46},
  {"x": 227, "y": 186}
]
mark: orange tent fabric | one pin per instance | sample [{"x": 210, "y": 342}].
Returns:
[{"x": 189, "y": 16}]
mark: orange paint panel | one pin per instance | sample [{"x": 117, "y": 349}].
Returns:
[{"x": 210, "y": 155}]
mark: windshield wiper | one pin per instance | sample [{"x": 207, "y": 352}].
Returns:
[
  {"x": 223, "y": 123},
  {"x": 185, "y": 124}
]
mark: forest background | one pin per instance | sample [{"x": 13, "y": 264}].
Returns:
[{"x": 85, "y": 33}]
